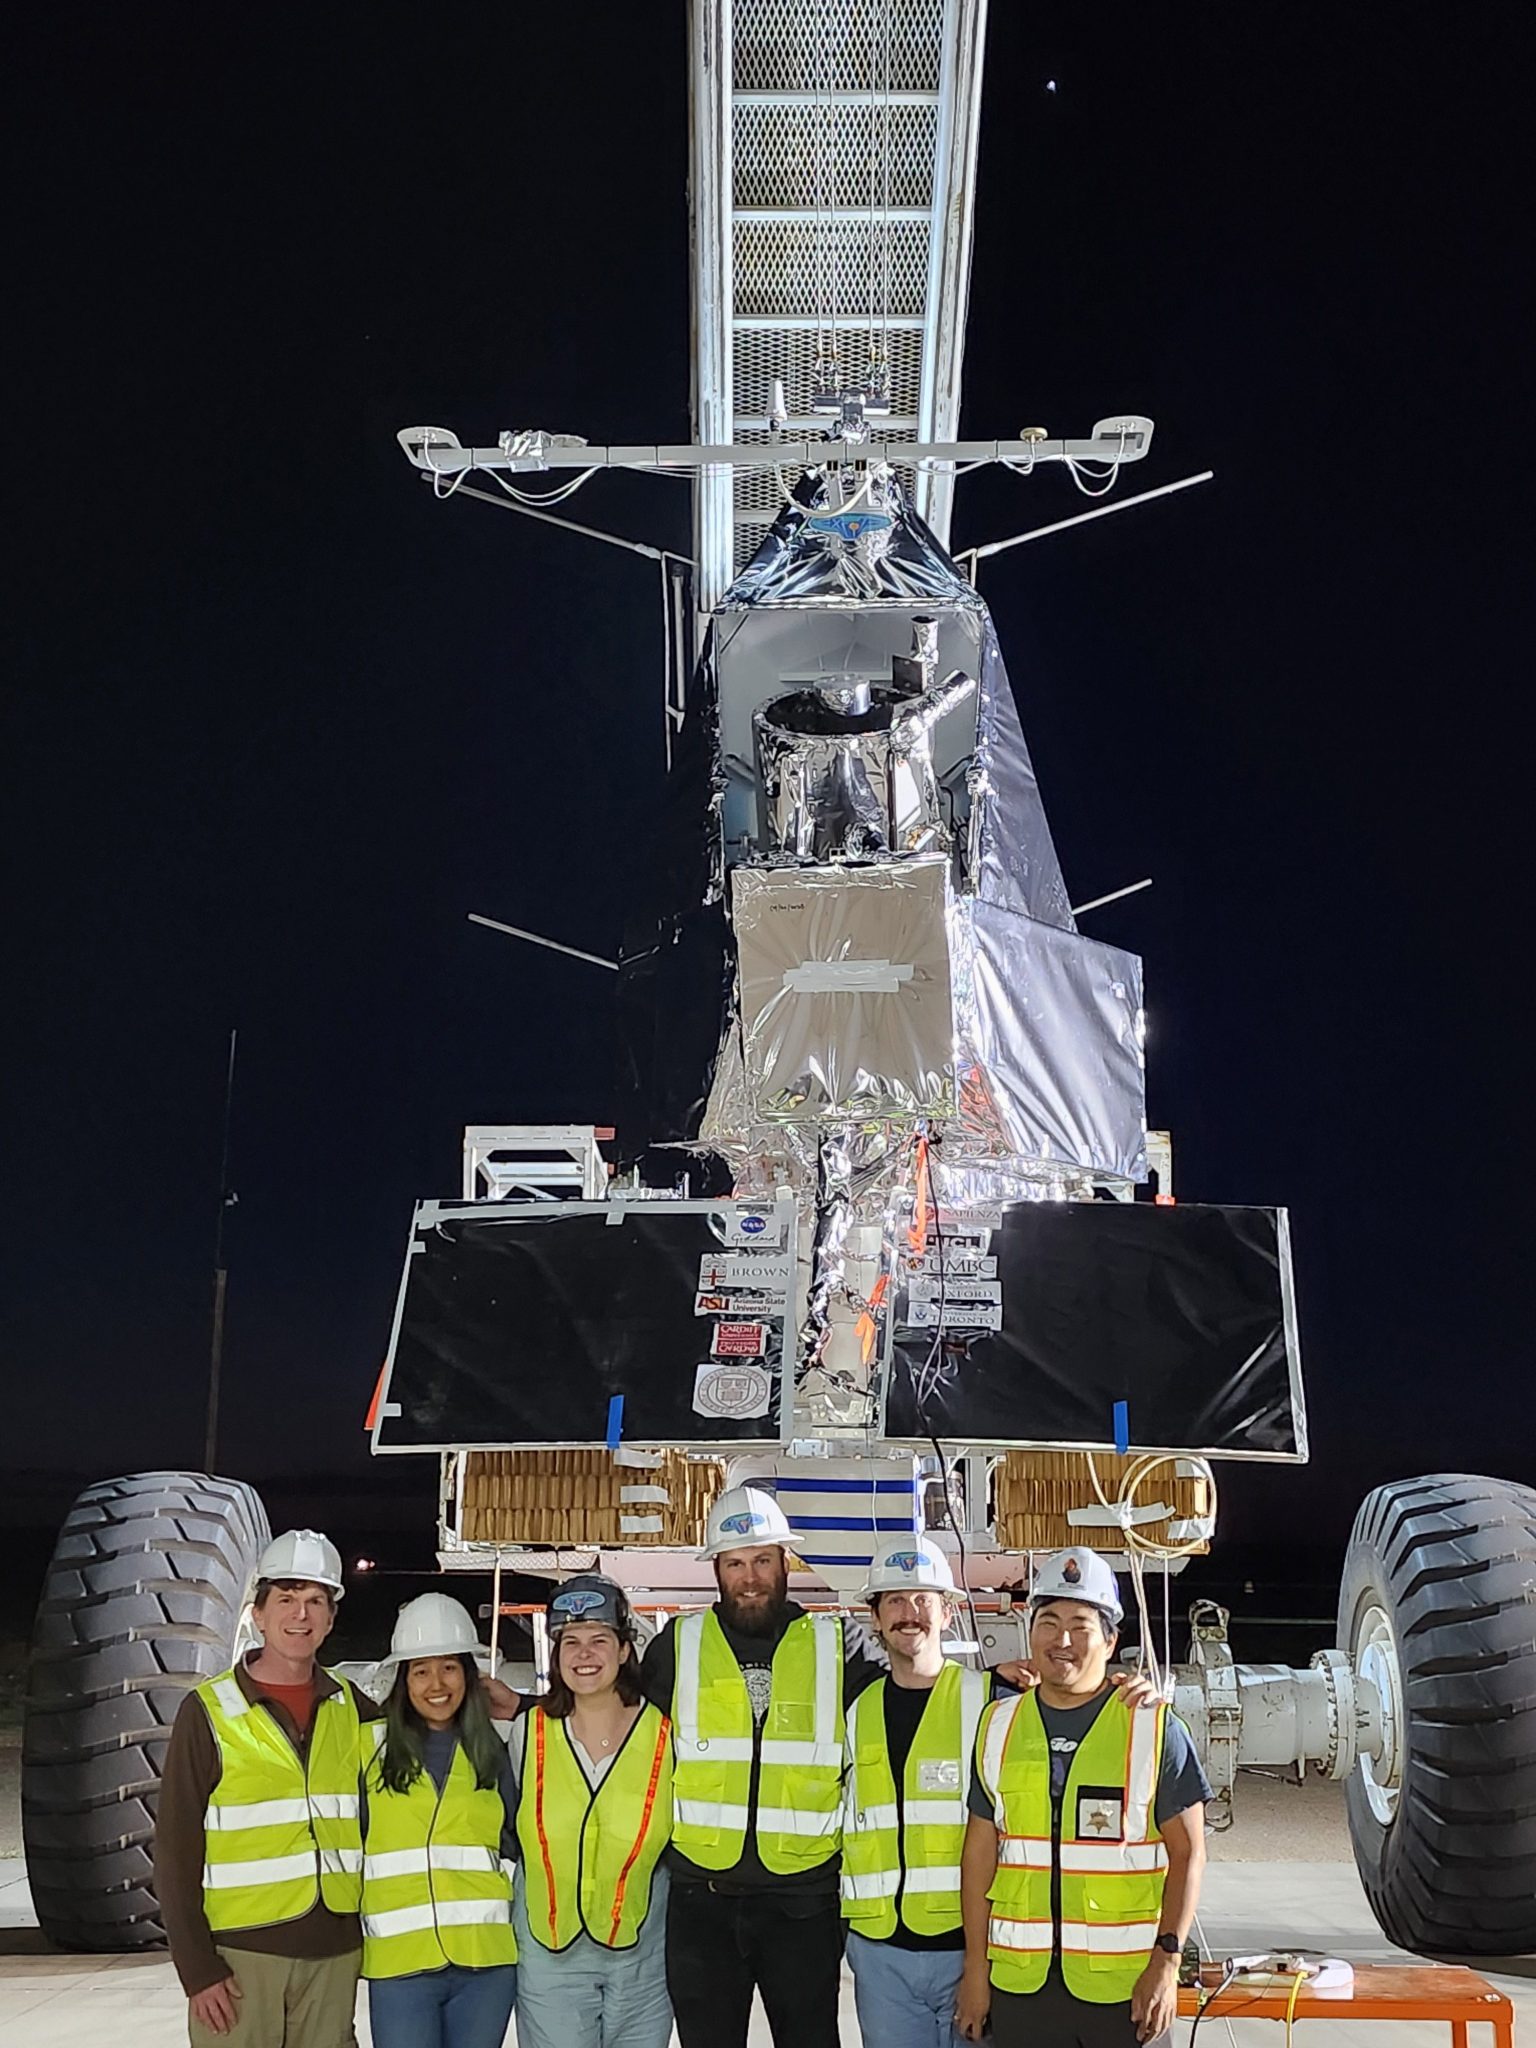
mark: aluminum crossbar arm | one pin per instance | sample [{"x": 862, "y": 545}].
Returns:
[{"x": 440, "y": 453}]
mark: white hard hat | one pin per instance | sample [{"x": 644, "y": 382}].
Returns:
[
  {"x": 303, "y": 1554},
  {"x": 908, "y": 1564},
  {"x": 1078, "y": 1574},
  {"x": 745, "y": 1518},
  {"x": 432, "y": 1625}
]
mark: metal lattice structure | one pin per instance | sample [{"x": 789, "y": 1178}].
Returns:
[{"x": 834, "y": 149}]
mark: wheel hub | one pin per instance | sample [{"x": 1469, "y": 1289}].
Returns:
[{"x": 1376, "y": 1662}]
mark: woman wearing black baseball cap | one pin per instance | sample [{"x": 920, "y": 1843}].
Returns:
[{"x": 594, "y": 1768}]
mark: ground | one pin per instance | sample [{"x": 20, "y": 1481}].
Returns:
[{"x": 1281, "y": 1877}]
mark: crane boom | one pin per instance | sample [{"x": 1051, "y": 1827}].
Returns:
[{"x": 833, "y": 162}]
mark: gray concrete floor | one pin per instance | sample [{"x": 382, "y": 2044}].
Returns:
[{"x": 1282, "y": 1876}]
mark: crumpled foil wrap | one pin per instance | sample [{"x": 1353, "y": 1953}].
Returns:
[
  {"x": 1048, "y": 1045},
  {"x": 843, "y": 981},
  {"x": 796, "y": 564},
  {"x": 852, "y": 780}
]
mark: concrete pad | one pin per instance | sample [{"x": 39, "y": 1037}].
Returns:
[{"x": 51, "y": 2000}]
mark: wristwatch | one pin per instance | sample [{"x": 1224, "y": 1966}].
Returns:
[{"x": 1169, "y": 1944}]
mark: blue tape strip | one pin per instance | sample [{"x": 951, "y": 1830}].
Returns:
[
  {"x": 615, "y": 1421},
  {"x": 1122, "y": 1427}
]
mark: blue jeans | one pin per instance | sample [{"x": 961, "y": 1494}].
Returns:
[
  {"x": 905, "y": 1997},
  {"x": 448, "y": 2008},
  {"x": 588, "y": 1996}
]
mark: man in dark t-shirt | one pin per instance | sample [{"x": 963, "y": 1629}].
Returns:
[{"x": 1109, "y": 1977}]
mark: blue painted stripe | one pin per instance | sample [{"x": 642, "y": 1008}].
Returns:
[
  {"x": 902, "y": 1523},
  {"x": 842, "y": 1557},
  {"x": 615, "y": 1421},
  {"x": 1122, "y": 1427},
  {"x": 846, "y": 1486}
]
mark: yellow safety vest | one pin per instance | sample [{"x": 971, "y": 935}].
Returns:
[
  {"x": 921, "y": 1857},
  {"x": 279, "y": 1833},
  {"x": 589, "y": 1853},
  {"x": 799, "y": 1790},
  {"x": 1108, "y": 1850},
  {"x": 435, "y": 1890}
]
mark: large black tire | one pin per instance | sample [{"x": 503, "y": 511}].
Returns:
[
  {"x": 1451, "y": 1562},
  {"x": 141, "y": 1602}
]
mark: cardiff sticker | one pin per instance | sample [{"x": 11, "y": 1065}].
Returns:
[{"x": 739, "y": 1340}]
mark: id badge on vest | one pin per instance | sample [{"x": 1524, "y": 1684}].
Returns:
[
  {"x": 1100, "y": 1813},
  {"x": 938, "y": 1774}
]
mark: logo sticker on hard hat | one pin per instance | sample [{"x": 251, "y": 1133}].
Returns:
[
  {"x": 905, "y": 1561},
  {"x": 1072, "y": 1571},
  {"x": 736, "y": 1390},
  {"x": 576, "y": 1604}
]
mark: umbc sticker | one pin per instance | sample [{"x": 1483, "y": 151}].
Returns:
[{"x": 734, "y": 1390}]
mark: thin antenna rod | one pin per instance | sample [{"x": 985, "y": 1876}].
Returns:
[
  {"x": 998, "y": 547},
  {"x": 535, "y": 939},
  {"x": 220, "y": 1275},
  {"x": 1114, "y": 896}
]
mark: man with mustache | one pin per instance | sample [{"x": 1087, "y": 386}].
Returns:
[{"x": 1084, "y": 1849}]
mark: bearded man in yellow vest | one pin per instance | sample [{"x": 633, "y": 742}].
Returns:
[
  {"x": 258, "y": 1842},
  {"x": 757, "y": 1691},
  {"x": 1083, "y": 1853}
]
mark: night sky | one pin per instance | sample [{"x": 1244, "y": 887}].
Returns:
[{"x": 278, "y": 720}]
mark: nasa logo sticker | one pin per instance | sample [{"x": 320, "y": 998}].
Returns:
[
  {"x": 752, "y": 1226},
  {"x": 735, "y": 1390}
]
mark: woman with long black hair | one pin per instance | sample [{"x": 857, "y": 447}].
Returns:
[
  {"x": 594, "y": 1812},
  {"x": 439, "y": 1954}
]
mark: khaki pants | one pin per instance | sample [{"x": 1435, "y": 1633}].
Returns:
[{"x": 288, "y": 2003}]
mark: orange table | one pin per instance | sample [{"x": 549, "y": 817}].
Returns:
[{"x": 1380, "y": 1991}]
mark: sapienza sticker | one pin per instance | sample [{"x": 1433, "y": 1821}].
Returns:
[
  {"x": 735, "y": 1390},
  {"x": 739, "y": 1340}
]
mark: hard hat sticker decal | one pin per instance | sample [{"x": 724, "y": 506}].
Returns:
[
  {"x": 734, "y": 1390},
  {"x": 576, "y": 1604}
]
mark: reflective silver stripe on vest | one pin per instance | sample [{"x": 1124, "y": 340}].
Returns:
[
  {"x": 451, "y": 1913},
  {"x": 707, "y": 1813},
  {"x": 1141, "y": 1772},
  {"x": 1104, "y": 1938},
  {"x": 264, "y": 1870},
  {"x": 810, "y": 1754},
  {"x": 256, "y": 1813},
  {"x": 1030, "y": 1936},
  {"x": 333, "y": 1805},
  {"x": 333, "y": 1862},
  {"x": 884, "y": 1884},
  {"x": 789, "y": 1820},
  {"x": 938, "y": 1877},
  {"x": 231, "y": 1699},
  {"x": 934, "y": 1813},
  {"x": 990, "y": 1762},
  {"x": 1097, "y": 1857},
  {"x": 872, "y": 1817},
  {"x": 685, "y": 1720},
  {"x": 416, "y": 1862},
  {"x": 874, "y": 1884},
  {"x": 1032, "y": 1851},
  {"x": 827, "y": 1635}
]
